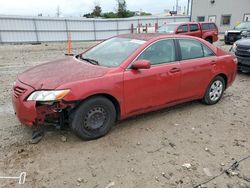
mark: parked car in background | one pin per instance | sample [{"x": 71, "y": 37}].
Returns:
[
  {"x": 237, "y": 33},
  {"x": 241, "y": 48},
  {"x": 122, "y": 77},
  {"x": 204, "y": 30}
]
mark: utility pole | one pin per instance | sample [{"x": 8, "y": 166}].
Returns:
[
  {"x": 188, "y": 6},
  {"x": 177, "y": 5},
  {"x": 58, "y": 11}
]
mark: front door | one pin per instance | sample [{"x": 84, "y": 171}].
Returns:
[{"x": 145, "y": 89}]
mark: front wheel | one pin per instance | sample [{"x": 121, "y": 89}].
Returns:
[
  {"x": 214, "y": 91},
  {"x": 94, "y": 118}
]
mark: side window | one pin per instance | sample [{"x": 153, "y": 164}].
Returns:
[
  {"x": 212, "y": 26},
  {"x": 190, "y": 49},
  {"x": 207, "y": 52},
  {"x": 160, "y": 52},
  {"x": 184, "y": 28},
  {"x": 193, "y": 27},
  {"x": 205, "y": 26}
]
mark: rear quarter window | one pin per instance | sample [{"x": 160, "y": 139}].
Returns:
[{"x": 207, "y": 26}]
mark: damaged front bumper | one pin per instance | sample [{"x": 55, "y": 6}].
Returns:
[{"x": 32, "y": 113}]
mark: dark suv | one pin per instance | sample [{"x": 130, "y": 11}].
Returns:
[
  {"x": 235, "y": 34},
  {"x": 241, "y": 48}
]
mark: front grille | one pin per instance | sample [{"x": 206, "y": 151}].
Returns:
[
  {"x": 243, "y": 51},
  {"x": 18, "y": 91}
]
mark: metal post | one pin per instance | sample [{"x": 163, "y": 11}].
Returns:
[
  {"x": 1, "y": 38},
  {"x": 117, "y": 27},
  {"x": 156, "y": 26},
  {"x": 67, "y": 29},
  {"x": 191, "y": 11},
  {"x": 94, "y": 29},
  {"x": 35, "y": 27},
  {"x": 188, "y": 6}
]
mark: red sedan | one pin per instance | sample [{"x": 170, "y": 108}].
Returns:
[{"x": 121, "y": 77}]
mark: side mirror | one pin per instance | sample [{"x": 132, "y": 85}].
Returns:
[
  {"x": 179, "y": 30},
  {"x": 141, "y": 64}
]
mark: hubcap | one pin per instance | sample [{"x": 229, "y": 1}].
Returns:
[
  {"x": 216, "y": 90},
  {"x": 95, "y": 118}
]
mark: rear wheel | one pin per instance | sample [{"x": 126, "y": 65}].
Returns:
[
  {"x": 94, "y": 118},
  {"x": 209, "y": 39},
  {"x": 214, "y": 91}
]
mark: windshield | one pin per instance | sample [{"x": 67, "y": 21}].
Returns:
[
  {"x": 167, "y": 28},
  {"x": 112, "y": 52},
  {"x": 243, "y": 25}
]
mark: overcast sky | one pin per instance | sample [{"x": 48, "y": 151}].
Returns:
[{"x": 79, "y": 7}]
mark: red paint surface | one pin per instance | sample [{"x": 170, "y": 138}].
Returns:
[
  {"x": 136, "y": 91},
  {"x": 204, "y": 34}
]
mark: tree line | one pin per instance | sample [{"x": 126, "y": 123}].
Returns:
[{"x": 121, "y": 12}]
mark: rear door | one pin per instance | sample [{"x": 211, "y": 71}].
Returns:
[
  {"x": 146, "y": 89},
  {"x": 197, "y": 64},
  {"x": 194, "y": 30}
]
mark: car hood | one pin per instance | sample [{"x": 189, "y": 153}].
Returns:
[
  {"x": 234, "y": 31},
  {"x": 56, "y": 73},
  {"x": 243, "y": 42}
]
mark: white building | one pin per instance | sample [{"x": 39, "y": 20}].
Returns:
[{"x": 225, "y": 13}]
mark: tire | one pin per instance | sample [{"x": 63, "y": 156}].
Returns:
[
  {"x": 211, "y": 97},
  {"x": 210, "y": 40},
  {"x": 227, "y": 43},
  {"x": 93, "y": 118}
]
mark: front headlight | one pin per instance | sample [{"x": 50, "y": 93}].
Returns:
[
  {"x": 48, "y": 95},
  {"x": 226, "y": 32},
  {"x": 234, "y": 47}
]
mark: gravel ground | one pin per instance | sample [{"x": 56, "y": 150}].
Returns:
[{"x": 144, "y": 151}]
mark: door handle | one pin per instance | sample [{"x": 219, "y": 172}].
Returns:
[
  {"x": 213, "y": 62},
  {"x": 174, "y": 70}
]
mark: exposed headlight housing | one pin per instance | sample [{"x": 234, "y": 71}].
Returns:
[
  {"x": 48, "y": 95},
  {"x": 234, "y": 47}
]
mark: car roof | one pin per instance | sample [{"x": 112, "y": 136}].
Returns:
[
  {"x": 180, "y": 23},
  {"x": 151, "y": 36}
]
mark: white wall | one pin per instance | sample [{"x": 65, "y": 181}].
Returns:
[
  {"x": 16, "y": 29},
  {"x": 236, "y": 8}
]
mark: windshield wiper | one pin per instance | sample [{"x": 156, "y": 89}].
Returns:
[{"x": 92, "y": 61}]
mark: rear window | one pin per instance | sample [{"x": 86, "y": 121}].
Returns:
[{"x": 207, "y": 26}]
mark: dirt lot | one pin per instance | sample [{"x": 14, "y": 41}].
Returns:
[{"x": 145, "y": 151}]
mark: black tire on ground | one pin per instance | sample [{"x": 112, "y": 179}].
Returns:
[
  {"x": 209, "y": 39},
  {"x": 93, "y": 118},
  {"x": 212, "y": 95},
  {"x": 227, "y": 43}
]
